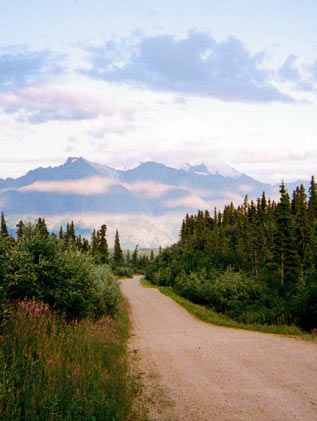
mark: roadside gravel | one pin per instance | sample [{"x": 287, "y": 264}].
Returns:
[{"x": 196, "y": 371}]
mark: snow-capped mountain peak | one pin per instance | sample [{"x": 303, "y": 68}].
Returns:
[
  {"x": 72, "y": 160},
  {"x": 214, "y": 168},
  {"x": 98, "y": 169}
]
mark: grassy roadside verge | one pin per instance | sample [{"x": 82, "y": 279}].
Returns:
[
  {"x": 53, "y": 370},
  {"x": 207, "y": 315}
]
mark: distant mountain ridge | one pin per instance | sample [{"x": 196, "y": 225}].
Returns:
[
  {"x": 81, "y": 187},
  {"x": 213, "y": 181},
  {"x": 73, "y": 168},
  {"x": 78, "y": 167},
  {"x": 217, "y": 168}
]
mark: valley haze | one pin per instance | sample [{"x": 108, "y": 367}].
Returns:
[{"x": 146, "y": 203}]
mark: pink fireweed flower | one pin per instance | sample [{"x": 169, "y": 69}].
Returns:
[
  {"x": 34, "y": 308},
  {"x": 76, "y": 371}
]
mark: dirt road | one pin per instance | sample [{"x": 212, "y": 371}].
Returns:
[{"x": 197, "y": 371}]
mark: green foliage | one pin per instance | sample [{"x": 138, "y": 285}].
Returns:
[
  {"x": 207, "y": 315},
  {"x": 39, "y": 266},
  {"x": 99, "y": 245},
  {"x": 102, "y": 244},
  {"x": 233, "y": 293},
  {"x": 255, "y": 263},
  {"x": 123, "y": 271},
  {"x": 63, "y": 337},
  {"x": 117, "y": 254},
  {"x": 135, "y": 256},
  {"x": 138, "y": 262},
  {"x": 107, "y": 291},
  {"x": 3, "y": 226}
]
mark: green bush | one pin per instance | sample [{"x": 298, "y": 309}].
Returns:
[
  {"x": 38, "y": 266},
  {"x": 191, "y": 286},
  {"x": 125, "y": 271},
  {"x": 231, "y": 293},
  {"x": 107, "y": 290}
]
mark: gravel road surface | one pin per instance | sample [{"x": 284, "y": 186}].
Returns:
[{"x": 198, "y": 371}]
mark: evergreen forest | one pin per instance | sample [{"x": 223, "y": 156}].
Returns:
[{"x": 256, "y": 263}]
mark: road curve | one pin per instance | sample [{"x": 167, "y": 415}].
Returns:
[{"x": 214, "y": 373}]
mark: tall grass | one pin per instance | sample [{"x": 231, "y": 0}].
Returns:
[{"x": 53, "y": 370}]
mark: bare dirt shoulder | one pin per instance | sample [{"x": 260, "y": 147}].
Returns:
[{"x": 197, "y": 371}]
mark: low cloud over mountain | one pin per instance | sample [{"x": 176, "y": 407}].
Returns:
[{"x": 150, "y": 197}]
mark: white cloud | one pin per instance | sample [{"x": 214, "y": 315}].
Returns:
[
  {"x": 233, "y": 197},
  {"x": 149, "y": 188},
  {"x": 101, "y": 127},
  {"x": 86, "y": 186},
  {"x": 144, "y": 230},
  {"x": 246, "y": 188},
  {"x": 45, "y": 103},
  {"x": 191, "y": 200}
]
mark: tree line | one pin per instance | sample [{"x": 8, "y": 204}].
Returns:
[
  {"x": 97, "y": 246},
  {"x": 256, "y": 262}
]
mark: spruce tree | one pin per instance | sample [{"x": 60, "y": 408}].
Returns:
[
  {"x": 303, "y": 229},
  {"x": 3, "y": 229},
  {"x": 117, "y": 255},
  {"x": 263, "y": 204},
  {"x": 253, "y": 238},
  {"x": 135, "y": 256},
  {"x": 94, "y": 242},
  {"x": 72, "y": 234},
  {"x": 312, "y": 203},
  {"x": 285, "y": 255},
  {"x": 102, "y": 244},
  {"x": 79, "y": 243},
  {"x": 182, "y": 234},
  {"x": 41, "y": 227},
  {"x": 85, "y": 246},
  {"x": 20, "y": 230}
]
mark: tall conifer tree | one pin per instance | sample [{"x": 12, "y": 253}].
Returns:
[
  {"x": 117, "y": 254},
  {"x": 284, "y": 240},
  {"x": 102, "y": 244},
  {"x": 20, "y": 229},
  {"x": 135, "y": 256},
  {"x": 312, "y": 203},
  {"x": 3, "y": 228}
]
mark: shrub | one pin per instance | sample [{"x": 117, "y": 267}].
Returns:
[
  {"x": 107, "y": 290},
  {"x": 68, "y": 280},
  {"x": 125, "y": 271},
  {"x": 191, "y": 287},
  {"x": 232, "y": 293}
]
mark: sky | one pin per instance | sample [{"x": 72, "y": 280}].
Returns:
[{"x": 121, "y": 82}]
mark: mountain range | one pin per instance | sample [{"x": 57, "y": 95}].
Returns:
[{"x": 143, "y": 202}]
